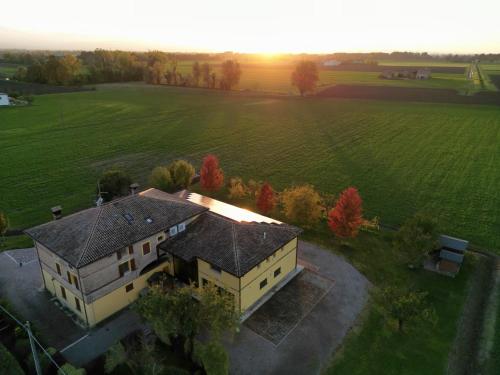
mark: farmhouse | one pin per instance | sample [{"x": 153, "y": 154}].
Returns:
[
  {"x": 421, "y": 73},
  {"x": 4, "y": 99},
  {"x": 97, "y": 261}
]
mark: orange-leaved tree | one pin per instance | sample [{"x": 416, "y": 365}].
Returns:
[
  {"x": 266, "y": 199},
  {"x": 347, "y": 215},
  {"x": 211, "y": 175}
]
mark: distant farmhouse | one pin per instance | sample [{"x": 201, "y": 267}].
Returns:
[
  {"x": 329, "y": 63},
  {"x": 422, "y": 73},
  {"x": 4, "y": 99},
  {"x": 97, "y": 261}
]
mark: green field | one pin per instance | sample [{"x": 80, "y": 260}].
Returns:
[
  {"x": 429, "y": 63},
  {"x": 404, "y": 157},
  {"x": 276, "y": 79}
]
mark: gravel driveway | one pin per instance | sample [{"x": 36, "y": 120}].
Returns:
[{"x": 302, "y": 335}]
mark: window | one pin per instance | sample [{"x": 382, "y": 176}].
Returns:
[
  {"x": 132, "y": 264},
  {"x": 69, "y": 276},
  {"x": 146, "y": 248},
  {"x": 123, "y": 268},
  {"x": 121, "y": 253},
  {"x": 277, "y": 272},
  {"x": 160, "y": 238},
  {"x": 204, "y": 282},
  {"x": 263, "y": 283},
  {"x": 77, "y": 303},
  {"x": 75, "y": 282},
  {"x": 215, "y": 268},
  {"x": 63, "y": 292},
  {"x": 58, "y": 268},
  {"x": 173, "y": 231},
  {"x": 129, "y": 287},
  {"x": 131, "y": 249},
  {"x": 182, "y": 227},
  {"x": 267, "y": 260}
]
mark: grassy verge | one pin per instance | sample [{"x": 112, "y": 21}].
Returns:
[{"x": 15, "y": 242}]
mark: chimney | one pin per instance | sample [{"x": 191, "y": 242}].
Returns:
[
  {"x": 56, "y": 212},
  {"x": 133, "y": 188}
]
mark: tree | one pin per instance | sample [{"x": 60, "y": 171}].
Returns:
[
  {"x": 205, "y": 74},
  {"x": 266, "y": 199},
  {"x": 69, "y": 369},
  {"x": 196, "y": 73},
  {"x": 302, "y": 204},
  {"x": 405, "y": 306},
  {"x": 182, "y": 173},
  {"x": 141, "y": 359},
  {"x": 417, "y": 237},
  {"x": 231, "y": 73},
  {"x": 347, "y": 215},
  {"x": 237, "y": 188},
  {"x": 305, "y": 76},
  {"x": 212, "y": 357},
  {"x": 176, "y": 317},
  {"x": 114, "y": 183},
  {"x": 8, "y": 363},
  {"x": 4, "y": 224},
  {"x": 211, "y": 175},
  {"x": 161, "y": 178}
]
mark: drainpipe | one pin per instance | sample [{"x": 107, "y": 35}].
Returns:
[{"x": 83, "y": 299}]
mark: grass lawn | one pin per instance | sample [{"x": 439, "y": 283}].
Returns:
[
  {"x": 404, "y": 157},
  {"x": 430, "y": 63}
]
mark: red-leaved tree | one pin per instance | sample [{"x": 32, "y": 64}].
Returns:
[
  {"x": 347, "y": 215},
  {"x": 266, "y": 199},
  {"x": 211, "y": 176}
]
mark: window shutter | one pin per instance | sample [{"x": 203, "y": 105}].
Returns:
[
  {"x": 69, "y": 276},
  {"x": 131, "y": 249},
  {"x": 120, "y": 269},
  {"x": 132, "y": 264}
]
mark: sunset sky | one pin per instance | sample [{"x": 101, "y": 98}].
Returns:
[{"x": 270, "y": 26}]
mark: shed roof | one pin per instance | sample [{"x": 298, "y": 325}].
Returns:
[
  {"x": 453, "y": 243},
  {"x": 451, "y": 256}
]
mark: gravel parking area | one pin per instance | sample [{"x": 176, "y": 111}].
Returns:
[{"x": 291, "y": 334}]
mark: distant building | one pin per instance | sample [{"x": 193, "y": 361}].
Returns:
[
  {"x": 4, "y": 99},
  {"x": 420, "y": 73},
  {"x": 329, "y": 63}
]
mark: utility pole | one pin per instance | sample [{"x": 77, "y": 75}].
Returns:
[{"x": 33, "y": 349}]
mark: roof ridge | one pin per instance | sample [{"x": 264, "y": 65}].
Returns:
[
  {"x": 101, "y": 208},
  {"x": 235, "y": 249}
]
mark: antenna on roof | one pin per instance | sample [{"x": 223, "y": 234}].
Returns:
[{"x": 100, "y": 199}]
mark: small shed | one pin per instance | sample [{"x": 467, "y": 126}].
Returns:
[
  {"x": 4, "y": 99},
  {"x": 451, "y": 254}
]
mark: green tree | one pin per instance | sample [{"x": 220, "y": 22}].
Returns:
[
  {"x": 8, "y": 364},
  {"x": 231, "y": 73},
  {"x": 416, "y": 238},
  {"x": 302, "y": 204},
  {"x": 205, "y": 73},
  {"x": 305, "y": 76},
  {"x": 114, "y": 183},
  {"x": 182, "y": 173},
  {"x": 161, "y": 179},
  {"x": 69, "y": 369},
  {"x": 196, "y": 73},
  {"x": 213, "y": 357},
  {"x": 141, "y": 359},
  {"x": 4, "y": 225},
  {"x": 405, "y": 306}
]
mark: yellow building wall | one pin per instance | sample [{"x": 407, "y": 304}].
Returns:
[
  {"x": 54, "y": 288},
  {"x": 285, "y": 258},
  {"x": 228, "y": 282},
  {"x": 118, "y": 299}
]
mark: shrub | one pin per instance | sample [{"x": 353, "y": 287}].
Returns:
[
  {"x": 8, "y": 364},
  {"x": 212, "y": 357},
  {"x": 237, "y": 188},
  {"x": 266, "y": 199},
  {"x": 161, "y": 179},
  {"x": 114, "y": 183},
  {"x": 181, "y": 172},
  {"x": 347, "y": 215},
  {"x": 71, "y": 370},
  {"x": 302, "y": 204}
]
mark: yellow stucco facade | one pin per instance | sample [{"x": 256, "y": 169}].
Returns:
[{"x": 248, "y": 289}]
